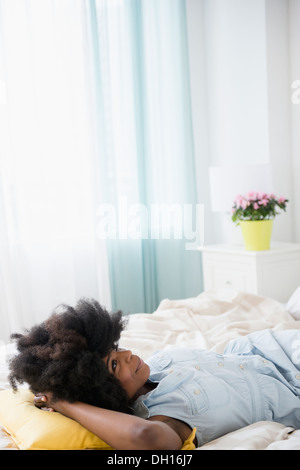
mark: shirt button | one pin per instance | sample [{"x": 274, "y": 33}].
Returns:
[
  {"x": 221, "y": 364},
  {"x": 297, "y": 376},
  {"x": 241, "y": 366},
  {"x": 170, "y": 371},
  {"x": 197, "y": 391},
  {"x": 265, "y": 361},
  {"x": 197, "y": 367}
]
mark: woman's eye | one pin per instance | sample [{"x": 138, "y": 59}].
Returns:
[{"x": 113, "y": 365}]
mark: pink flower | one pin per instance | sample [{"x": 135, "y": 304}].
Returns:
[
  {"x": 251, "y": 195},
  {"x": 249, "y": 207},
  {"x": 238, "y": 201},
  {"x": 238, "y": 198},
  {"x": 244, "y": 203},
  {"x": 264, "y": 202}
]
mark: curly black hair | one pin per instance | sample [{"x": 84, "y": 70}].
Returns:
[{"x": 64, "y": 356}]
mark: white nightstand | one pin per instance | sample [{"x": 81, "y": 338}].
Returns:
[{"x": 273, "y": 273}]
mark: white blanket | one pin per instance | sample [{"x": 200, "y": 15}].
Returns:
[{"x": 208, "y": 321}]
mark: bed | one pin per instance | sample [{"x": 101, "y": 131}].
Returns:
[{"x": 208, "y": 321}]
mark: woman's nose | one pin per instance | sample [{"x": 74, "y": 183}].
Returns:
[{"x": 126, "y": 353}]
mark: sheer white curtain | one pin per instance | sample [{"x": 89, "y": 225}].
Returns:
[
  {"x": 49, "y": 252},
  {"x": 143, "y": 100}
]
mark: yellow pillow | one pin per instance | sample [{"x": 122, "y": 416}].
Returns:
[
  {"x": 34, "y": 429},
  {"x": 189, "y": 443}
]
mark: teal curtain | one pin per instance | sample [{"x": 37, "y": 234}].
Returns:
[{"x": 143, "y": 135}]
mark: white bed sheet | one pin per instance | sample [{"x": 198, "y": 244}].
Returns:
[{"x": 208, "y": 321}]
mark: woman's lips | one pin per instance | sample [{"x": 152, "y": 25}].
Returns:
[{"x": 140, "y": 364}]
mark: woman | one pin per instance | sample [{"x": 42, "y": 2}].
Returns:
[{"x": 73, "y": 359}]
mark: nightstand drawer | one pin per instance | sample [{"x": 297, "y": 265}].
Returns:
[
  {"x": 272, "y": 273},
  {"x": 220, "y": 274}
]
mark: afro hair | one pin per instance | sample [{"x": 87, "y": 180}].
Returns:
[{"x": 64, "y": 356}]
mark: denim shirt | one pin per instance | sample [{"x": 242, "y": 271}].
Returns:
[{"x": 256, "y": 379}]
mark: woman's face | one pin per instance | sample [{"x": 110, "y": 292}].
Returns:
[{"x": 129, "y": 369}]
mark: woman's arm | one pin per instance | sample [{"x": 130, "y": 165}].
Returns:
[{"x": 121, "y": 431}]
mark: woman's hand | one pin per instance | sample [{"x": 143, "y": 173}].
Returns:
[{"x": 43, "y": 402}]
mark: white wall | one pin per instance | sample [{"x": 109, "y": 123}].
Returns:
[
  {"x": 199, "y": 86},
  {"x": 243, "y": 56},
  {"x": 279, "y": 110},
  {"x": 236, "y": 70},
  {"x": 294, "y": 54}
]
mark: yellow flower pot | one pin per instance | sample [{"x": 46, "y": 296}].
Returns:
[{"x": 257, "y": 234}]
